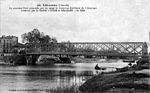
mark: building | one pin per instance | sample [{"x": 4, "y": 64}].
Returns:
[{"x": 6, "y": 43}]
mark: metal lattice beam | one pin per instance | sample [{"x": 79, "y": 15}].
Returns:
[
  {"x": 135, "y": 48},
  {"x": 101, "y": 48}
]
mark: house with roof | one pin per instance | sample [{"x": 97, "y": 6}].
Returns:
[{"x": 6, "y": 43}]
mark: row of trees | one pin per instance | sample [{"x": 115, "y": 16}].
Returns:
[{"x": 37, "y": 41}]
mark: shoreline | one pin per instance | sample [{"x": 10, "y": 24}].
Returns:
[
  {"x": 94, "y": 60},
  {"x": 133, "y": 79},
  {"x": 117, "y": 81}
]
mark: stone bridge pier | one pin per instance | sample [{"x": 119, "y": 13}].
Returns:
[{"x": 32, "y": 59}]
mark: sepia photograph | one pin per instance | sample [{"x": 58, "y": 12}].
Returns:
[{"x": 74, "y": 46}]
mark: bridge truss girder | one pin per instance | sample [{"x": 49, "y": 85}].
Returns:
[{"x": 132, "y": 48}]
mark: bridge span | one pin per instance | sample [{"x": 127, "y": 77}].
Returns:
[{"x": 125, "y": 49}]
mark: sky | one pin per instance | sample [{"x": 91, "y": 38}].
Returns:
[{"x": 112, "y": 21}]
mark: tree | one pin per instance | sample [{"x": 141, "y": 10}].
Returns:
[
  {"x": 36, "y": 40},
  {"x": 44, "y": 39},
  {"x": 32, "y": 37},
  {"x": 35, "y": 36}
]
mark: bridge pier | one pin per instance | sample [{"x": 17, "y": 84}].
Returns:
[
  {"x": 31, "y": 59},
  {"x": 34, "y": 59},
  {"x": 65, "y": 59}
]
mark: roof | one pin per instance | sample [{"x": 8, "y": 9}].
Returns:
[
  {"x": 7, "y": 37},
  {"x": 19, "y": 45}
]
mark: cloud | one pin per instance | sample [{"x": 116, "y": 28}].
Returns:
[{"x": 113, "y": 20}]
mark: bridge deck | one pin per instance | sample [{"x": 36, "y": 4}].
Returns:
[{"x": 85, "y": 53}]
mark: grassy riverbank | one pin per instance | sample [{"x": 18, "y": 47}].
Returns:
[
  {"x": 131, "y": 80},
  {"x": 127, "y": 80}
]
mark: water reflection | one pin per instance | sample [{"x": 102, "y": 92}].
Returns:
[{"x": 48, "y": 77}]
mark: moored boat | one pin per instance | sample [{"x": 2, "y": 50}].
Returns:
[{"x": 99, "y": 68}]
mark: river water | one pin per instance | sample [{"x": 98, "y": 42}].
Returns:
[{"x": 25, "y": 78}]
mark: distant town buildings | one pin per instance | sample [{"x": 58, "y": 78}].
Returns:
[{"x": 7, "y": 42}]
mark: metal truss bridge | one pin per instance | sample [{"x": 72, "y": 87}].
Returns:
[{"x": 98, "y": 49}]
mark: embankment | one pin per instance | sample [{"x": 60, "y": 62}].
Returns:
[
  {"x": 132, "y": 79},
  {"x": 107, "y": 82}
]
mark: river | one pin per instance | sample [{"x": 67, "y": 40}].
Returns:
[{"x": 13, "y": 78}]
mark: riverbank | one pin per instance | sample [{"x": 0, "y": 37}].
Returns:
[
  {"x": 131, "y": 80},
  {"x": 93, "y": 60}
]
